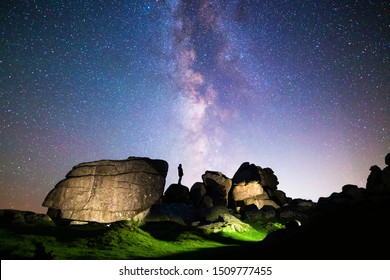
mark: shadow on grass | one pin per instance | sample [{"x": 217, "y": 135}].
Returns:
[
  {"x": 243, "y": 251},
  {"x": 61, "y": 233},
  {"x": 170, "y": 231}
]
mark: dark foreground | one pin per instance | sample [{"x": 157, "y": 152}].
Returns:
[{"x": 353, "y": 230}]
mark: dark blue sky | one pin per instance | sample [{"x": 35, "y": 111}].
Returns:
[{"x": 298, "y": 86}]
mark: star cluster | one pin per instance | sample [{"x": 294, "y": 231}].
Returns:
[{"x": 298, "y": 86}]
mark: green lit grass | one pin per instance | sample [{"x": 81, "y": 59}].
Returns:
[
  {"x": 251, "y": 235},
  {"x": 119, "y": 241},
  {"x": 256, "y": 233}
]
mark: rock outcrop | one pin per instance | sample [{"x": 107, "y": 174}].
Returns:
[
  {"x": 255, "y": 185},
  {"x": 177, "y": 193},
  {"x": 374, "y": 181},
  {"x": 217, "y": 187},
  {"x": 219, "y": 219},
  {"x": 197, "y": 192},
  {"x": 106, "y": 191},
  {"x": 213, "y": 191},
  {"x": 386, "y": 173},
  {"x": 11, "y": 216},
  {"x": 112, "y": 190},
  {"x": 378, "y": 182}
]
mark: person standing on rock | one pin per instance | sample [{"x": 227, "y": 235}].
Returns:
[{"x": 180, "y": 172}]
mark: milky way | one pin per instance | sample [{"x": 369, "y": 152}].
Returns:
[{"x": 298, "y": 86}]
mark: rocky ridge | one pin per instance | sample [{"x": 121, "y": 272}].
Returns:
[
  {"x": 350, "y": 224},
  {"x": 113, "y": 190}
]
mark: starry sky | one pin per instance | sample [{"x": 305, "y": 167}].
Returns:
[{"x": 299, "y": 86}]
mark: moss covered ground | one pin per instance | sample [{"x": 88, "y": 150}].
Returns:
[{"x": 123, "y": 240}]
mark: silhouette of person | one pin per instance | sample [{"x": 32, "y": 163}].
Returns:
[{"x": 180, "y": 172}]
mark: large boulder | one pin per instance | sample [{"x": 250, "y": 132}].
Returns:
[
  {"x": 279, "y": 197},
  {"x": 378, "y": 182},
  {"x": 106, "y": 191},
  {"x": 217, "y": 187},
  {"x": 374, "y": 181},
  {"x": 197, "y": 192},
  {"x": 246, "y": 173},
  {"x": 386, "y": 174},
  {"x": 255, "y": 185},
  {"x": 250, "y": 172},
  {"x": 268, "y": 178},
  {"x": 220, "y": 219},
  {"x": 177, "y": 193}
]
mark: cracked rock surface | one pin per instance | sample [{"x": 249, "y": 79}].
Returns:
[{"x": 106, "y": 191}]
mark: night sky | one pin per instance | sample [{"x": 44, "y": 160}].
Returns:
[{"x": 299, "y": 86}]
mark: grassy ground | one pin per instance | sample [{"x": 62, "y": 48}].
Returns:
[{"x": 120, "y": 241}]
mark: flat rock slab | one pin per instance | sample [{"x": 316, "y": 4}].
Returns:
[{"x": 106, "y": 191}]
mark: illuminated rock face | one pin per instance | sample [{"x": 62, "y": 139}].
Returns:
[
  {"x": 255, "y": 185},
  {"x": 106, "y": 191},
  {"x": 245, "y": 190}
]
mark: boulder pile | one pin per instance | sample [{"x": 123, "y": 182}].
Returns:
[
  {"x": 251, "y": 195},
  {"x": 106, "y": 191}
]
